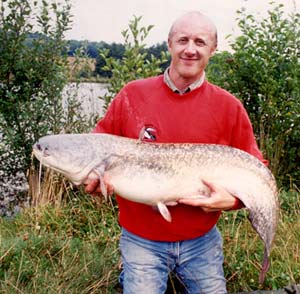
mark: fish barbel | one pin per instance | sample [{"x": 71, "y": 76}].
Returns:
[{"x": 161, "y": 173}]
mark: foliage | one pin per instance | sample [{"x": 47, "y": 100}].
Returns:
[
  {"x": 91, "y": 47},
  {"x": 156, "y": 50},
  {"x": 134, "y": 63},
  {"x": 73, "y": 248},
  {"x": 65, "y": 249},
  {"x": 31, "y": 77},
  {"x": 115, "y": 51},
  {"x": 264, "y": 72},
  {"x": 80, "y": 64}
]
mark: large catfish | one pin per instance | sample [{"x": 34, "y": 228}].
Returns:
[{"x": 158, "y": 174}]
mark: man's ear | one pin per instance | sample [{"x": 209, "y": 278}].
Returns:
[
  {"x": 169, "y": 44},
  {"x": 213, "y": 50}
]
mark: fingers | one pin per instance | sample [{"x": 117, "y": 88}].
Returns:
[
  {"x": 210, "y": 186},
  {"x": 92, "y": 187},
  {"x": 218, "y": 199},
  {"x": 191, "y": 201},
  {"x": 206, "y": 203}
]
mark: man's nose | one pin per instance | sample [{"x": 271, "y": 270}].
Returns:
[{"x": 190, "y": 48}]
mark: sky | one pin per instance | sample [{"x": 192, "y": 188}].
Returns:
[{"x": 104, "y": 20}]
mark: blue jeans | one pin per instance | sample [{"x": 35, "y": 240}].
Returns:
[{"x": 198, "y": 264}]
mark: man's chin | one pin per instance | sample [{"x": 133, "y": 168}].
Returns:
[{"x": 190, "y": 74}]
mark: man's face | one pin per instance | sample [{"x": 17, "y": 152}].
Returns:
[{"x": 191, "y": 45}]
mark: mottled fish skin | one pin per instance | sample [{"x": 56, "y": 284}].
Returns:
[{"x": 155, "y": 174}]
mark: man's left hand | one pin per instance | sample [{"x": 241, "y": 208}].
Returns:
[{"x": 218, "y": 199}]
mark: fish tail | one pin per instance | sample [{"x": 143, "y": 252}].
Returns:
[{"x": 264, "y": 269}]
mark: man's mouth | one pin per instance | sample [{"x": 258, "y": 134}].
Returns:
[{"x": 189, "y": 59}]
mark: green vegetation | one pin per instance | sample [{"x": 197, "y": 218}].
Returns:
[
  {"x": 134, "y": 63},
  {"x": 65, "y": 249},
  {"x": 31, "y": 77},
  {"x": 72, "y": 248},
  {"x": 243, "y": 249},
  {"x": 264, "y": 72},
  {"x": 33, "y": 73},
  {"x": 115, "y": 51}
]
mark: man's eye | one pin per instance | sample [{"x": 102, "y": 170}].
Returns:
[
  {"x": 182, "y": 41},
  {"x": 200, "y": 42}
]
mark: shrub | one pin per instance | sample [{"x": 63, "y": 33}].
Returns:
[
  {"x": 32, "y": 76},
  {"x": 264, "y": 72},
  {"x": 135, "y": 64}
]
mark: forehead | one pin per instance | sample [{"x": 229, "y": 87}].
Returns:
[{"x": 193, "y": 26}]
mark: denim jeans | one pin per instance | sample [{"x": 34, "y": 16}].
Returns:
[{"x": 198, "y": 264}]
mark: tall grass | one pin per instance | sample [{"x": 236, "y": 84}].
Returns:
[
  {"x": 73, "y": 248},
  {"x": 52, "y": 249},
  {"x": 244, "y": 249}
]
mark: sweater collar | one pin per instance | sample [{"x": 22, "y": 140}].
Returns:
[{"x": 190, "y": 88}]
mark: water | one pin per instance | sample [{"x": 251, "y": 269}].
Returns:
[{"x": 88, "y": 95}]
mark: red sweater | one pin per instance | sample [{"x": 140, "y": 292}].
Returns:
[{"x": 207, "y": 114}]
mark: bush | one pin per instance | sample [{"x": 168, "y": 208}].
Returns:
[
  {"x": 135, "y": 64},
  {"x": 32, "y": 76},
  {"x": 264, "y": 72}
]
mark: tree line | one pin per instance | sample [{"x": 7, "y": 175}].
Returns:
[{"x": 115, "y": 51}]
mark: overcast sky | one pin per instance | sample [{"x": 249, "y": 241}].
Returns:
[{"x": 103, "y": 20}]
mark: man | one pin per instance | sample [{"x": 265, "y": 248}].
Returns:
[{"x": 179, "y": 106}]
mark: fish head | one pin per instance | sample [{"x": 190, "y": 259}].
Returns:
[{"x": 70, "y": 155}]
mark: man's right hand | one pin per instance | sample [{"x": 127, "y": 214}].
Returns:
[{"x": 93, "y": 187}]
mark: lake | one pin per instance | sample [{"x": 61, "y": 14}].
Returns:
[{"x": 88, "y": 95}]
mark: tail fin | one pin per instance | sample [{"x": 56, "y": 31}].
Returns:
[{"x": 265, "y": 268}]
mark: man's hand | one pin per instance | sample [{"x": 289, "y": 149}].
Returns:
[
  {"x": 218, "y": 199},
  {"x": 93, "y": 187}
]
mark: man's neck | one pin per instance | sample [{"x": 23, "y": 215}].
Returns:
[{"x": 182, "y": 85}]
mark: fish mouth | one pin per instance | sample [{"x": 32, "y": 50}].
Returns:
[
  {"x": 43, "y": 155},
  {"x": 38, "y": 154},
  {"x": 39, "y": 151}
]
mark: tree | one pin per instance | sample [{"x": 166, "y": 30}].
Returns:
[
  {"x": 134, "y": 63},
  {"x": 264, "y": 72},
  {"x": 156, "y": 51},
  {"x": 115, "y": 51},
  {"x": 32, "y": 76}
]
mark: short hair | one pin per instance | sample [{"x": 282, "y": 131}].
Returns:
[{"x": 200, "y": 15}]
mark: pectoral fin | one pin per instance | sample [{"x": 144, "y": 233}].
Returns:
[
  {"x": 100, "y": 172},
  {"x": 103, "y": 187},
  {"x": 164, "y": 211}
]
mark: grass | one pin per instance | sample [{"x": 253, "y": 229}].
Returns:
[
  {"x": 73, "y": 248},
  {"x": 244, "y": 249},
  {"x": 70, "y": 249}
]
